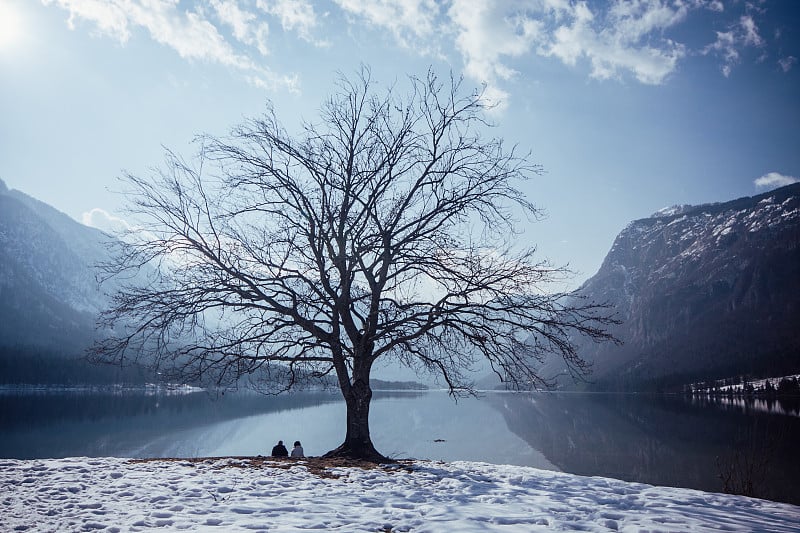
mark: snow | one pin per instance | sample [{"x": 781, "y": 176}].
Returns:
[
  {"x": 692, "y": 234},
  {"x": 261, "y": 494},
  {"x": 670, "y": 211}
]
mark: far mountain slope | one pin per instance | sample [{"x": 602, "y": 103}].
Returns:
[
  {"x": 704, "y": 292},
  {"x": 49, "y": 296}
]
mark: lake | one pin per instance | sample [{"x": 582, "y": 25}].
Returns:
[{"x": 656, "y": 439}]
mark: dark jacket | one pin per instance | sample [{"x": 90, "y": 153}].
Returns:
[{"x": 279, "y": 450}]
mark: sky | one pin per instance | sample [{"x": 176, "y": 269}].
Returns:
[{"x": 629, "y": 105}]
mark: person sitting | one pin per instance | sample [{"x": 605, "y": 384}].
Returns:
[
  {"x": 279, "y": 450},
  {"x": 297, "y": 451}
]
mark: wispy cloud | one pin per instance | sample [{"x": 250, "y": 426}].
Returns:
[
  {"x": 725, "y": 45},
  {"x": 413, "y": 23},
  {"x": 773, "y": 180},
  {"x": 786, "y": 63},
  {"x": 245, "y": 25},
  {"x": 297, "y": 16},
  {"x": 189, "y": 32},
  {"x": 728, "y": 44},
  {"x": 624, "y": 39},
  {"x": 750, "y": 34},
  {"x": 490, "y": 35},
  {"x": 104, "y": 221},
  {"x": 486, "y": 37},
  {"x": 616, "y": 39},
  {"x": 619, "y": 39},
  {"x": 110, "y": 18}
]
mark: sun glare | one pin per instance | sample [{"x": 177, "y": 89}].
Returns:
[{"x": 10, "y": 26}]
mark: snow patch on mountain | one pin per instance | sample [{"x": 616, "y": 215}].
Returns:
[
  {"x": 703, "y": 287},
  {"x": 670, "y": 211}
]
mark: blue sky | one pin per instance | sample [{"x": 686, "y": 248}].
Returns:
[{"x": 630, "y": 106}]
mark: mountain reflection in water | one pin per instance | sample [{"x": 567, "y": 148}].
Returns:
[
  {"x": 43, "y": 424},
  {"x": 659, "y": 439},
  {"x": 662, "y": 440}
]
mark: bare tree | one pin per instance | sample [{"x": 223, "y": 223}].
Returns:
[{"x": 385, "y": 230}]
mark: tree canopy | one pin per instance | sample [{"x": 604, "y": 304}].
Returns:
[{"x": 386, "y": 229}]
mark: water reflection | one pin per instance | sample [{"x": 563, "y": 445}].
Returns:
[
  {"x": 433, "y": 426},
  {"x": 653, "y": 439},
  {"x": 662, "y": 440},
  {"x": 63, "y": 424},
  {"x": 786, "y": 405},
  {"x": 403, "y": 425}
]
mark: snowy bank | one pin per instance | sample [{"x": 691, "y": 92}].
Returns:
[{"x": 260, "y": 494}]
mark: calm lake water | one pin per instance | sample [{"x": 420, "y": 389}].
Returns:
[{"x": 663, "y": 440}]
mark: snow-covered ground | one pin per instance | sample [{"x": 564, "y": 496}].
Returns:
[{"x": 111, "y": 494}]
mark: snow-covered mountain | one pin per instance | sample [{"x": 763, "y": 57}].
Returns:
[
  {"x": 49, "y": 294},
  {"x": 703, "y": 292}
]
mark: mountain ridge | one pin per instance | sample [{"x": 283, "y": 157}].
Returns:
[
  {"x": 701, "y": 291},
  {"x": 47, "y": 283},
  {"x": 50, "y": 297}
]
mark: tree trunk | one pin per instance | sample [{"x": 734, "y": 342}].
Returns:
[{"x": 357, "y": 443}]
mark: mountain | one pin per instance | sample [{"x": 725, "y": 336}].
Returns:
[
  {"x": 49, "y": 295},
  {"x": 703, "y": 292}
]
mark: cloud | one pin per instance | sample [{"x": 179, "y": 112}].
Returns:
[
  {"x": 725, "y": 45},
  {"x": 486, "y": 36},
  {"x": 411, "y": 22},
  {"x": 104, "y": 221},
  {"x": 487, "y": 33},
  {"x": 625, "y": 39},
  {"x": 630, "y": 22},
  {"x": 295, "y": 15},
  {"x": 729, "y": 43},
  {"x": 188, "y": 32},
  {"x": 120, "y": 228},
  {"x": 245, "y": 25},
  {"x": 111, "y": 19},
  {"x": 618, "y": 39},
  {"x": 773, "y": 180},
  {"x": 787, "y": 63},
  {"x": 750, "y": 31}
]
